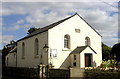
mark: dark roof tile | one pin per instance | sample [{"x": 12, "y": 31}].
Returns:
[
  {"x": 46, "y": 28},
  {"x": 80, "y": 49}
]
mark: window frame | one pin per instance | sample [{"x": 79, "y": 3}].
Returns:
[
  {"x": 75, "y": 57},
  {"x": 87, "y": 41},
  {"x": 23, "y": 50},
  {"x": 67, "y": 41},
  {"x": 36, "y": 48}
]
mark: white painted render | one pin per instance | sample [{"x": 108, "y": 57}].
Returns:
[
  {"x": 54, "y": 38},
  {"x": 11, "y": 59},
  {"x": 96, "y": 60},
  {"x": 30, "y": 59}
]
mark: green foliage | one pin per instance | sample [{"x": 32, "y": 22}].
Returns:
[
  {"x": 115, "y": 52},
  {"x": 33, "y": 29},
  {"x": 105, "y": 52},
  {"x": 109, "y": 63}
]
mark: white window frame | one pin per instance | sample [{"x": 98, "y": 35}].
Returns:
[
  {"x": 67, "y": 41},
  {"x": 36, "y": 48},
  {"x": 23, "y": 50},
  {"x": 87, "y": 41}
]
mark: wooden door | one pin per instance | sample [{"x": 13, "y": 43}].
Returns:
[{"x": 88, "y": 60}]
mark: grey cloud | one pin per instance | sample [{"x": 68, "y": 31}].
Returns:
[{"x": 41, "y": 14}]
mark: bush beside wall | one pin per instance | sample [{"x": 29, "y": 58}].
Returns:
[{"x": 101, "y": 75}]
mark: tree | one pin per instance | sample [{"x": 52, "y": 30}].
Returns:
[
  {"x": 6, "y": 49},
  {"x": 115, "y": 52},
  {"x": 105, "y": 52},
  {"x": 33, "y": 29}
]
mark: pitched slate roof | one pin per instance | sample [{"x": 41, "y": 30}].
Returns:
[
  {"x": 46, "y": 28},
  {"x": 80, "y": 49},
  {"x": 14, "y": 50}
]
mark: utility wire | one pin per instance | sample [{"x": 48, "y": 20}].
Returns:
[{"x": 109, "y": 4}]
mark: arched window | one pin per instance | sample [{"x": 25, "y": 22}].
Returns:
[
  {"x": 67, "y": 41},
  {"x": 36, "y": 46},
  {"x": 23, "y": 50},
  {"x": 87, "y": 41}
]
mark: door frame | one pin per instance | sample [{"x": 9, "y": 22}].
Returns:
[{"x": 90, "y": 62}]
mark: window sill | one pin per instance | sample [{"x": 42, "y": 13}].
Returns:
[{"x": 65, "y": 49}]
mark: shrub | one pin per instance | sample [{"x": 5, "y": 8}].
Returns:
[{"x": 109, "y": 63}]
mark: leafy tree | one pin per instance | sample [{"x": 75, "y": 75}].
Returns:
[
  {"x": 115, "y": 52},
  {"x": 33, "y": 29},
  {"x": 6, "y": 49},
  {"x": 105, "y": 52}
]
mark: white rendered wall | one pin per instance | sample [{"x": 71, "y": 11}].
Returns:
[
  {"x": 30, "y": 59},
  {"x": 94, "y": 60},
  {"x": 11, "y": 60},
  {"x": 56, "y": 39}
]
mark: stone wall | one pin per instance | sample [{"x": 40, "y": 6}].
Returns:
[
  {"x": 72, "y": 73},
  {"x": 59, "y": 74},
  {"x": 76, "y": 72},
  {"x": 21, "y": 72},
  {"x": 79, "y": 73},
  {"x": 101, "y": 75}
]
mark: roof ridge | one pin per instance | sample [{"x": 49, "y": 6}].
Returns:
[
  {"x": 88, "y": 24},
  {"x": 47, "y": 27}
]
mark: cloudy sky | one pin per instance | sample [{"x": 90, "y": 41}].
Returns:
[{"x": 18, "y": 17}]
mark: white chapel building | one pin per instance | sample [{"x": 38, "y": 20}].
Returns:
[{"x": 70, "y": 42}]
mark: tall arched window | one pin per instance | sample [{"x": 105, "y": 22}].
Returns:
[
  {"x": 67, "y": 41},
  {"x": 36, "y": 46},
  {"x": 87, "y": 41},
  {"x": 23, "y": 50}
]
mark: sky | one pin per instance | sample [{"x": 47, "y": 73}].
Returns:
[{"x": 17, "y": 17}]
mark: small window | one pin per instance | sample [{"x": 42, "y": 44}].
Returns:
[
  {"x": 87, "y": 41},
  {"x": 36, "y": 47},
  {"x": 23, "y": 50},
  {"x": 74, "y": 64},
  {"x": 74, "y": 57},
  {"x": 67, "y": 41},
  {"x": 77, "y": 30}
]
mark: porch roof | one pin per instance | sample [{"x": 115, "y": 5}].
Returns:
[{"x": 80, "y": 49}]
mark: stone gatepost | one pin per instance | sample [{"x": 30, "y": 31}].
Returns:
[{"x": 41, "y": 71}]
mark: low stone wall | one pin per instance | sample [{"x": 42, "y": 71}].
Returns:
[
  {"x": 101, "y": 75},
  {"x": 34, "y": 73},
  {"x": 59, "y": 74},
  {"x": 21, "y": 72},
  {"x": 91, "y": 73},
  {"x": 72, "y": 73},
  {"x": 76, "y": 72}
]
